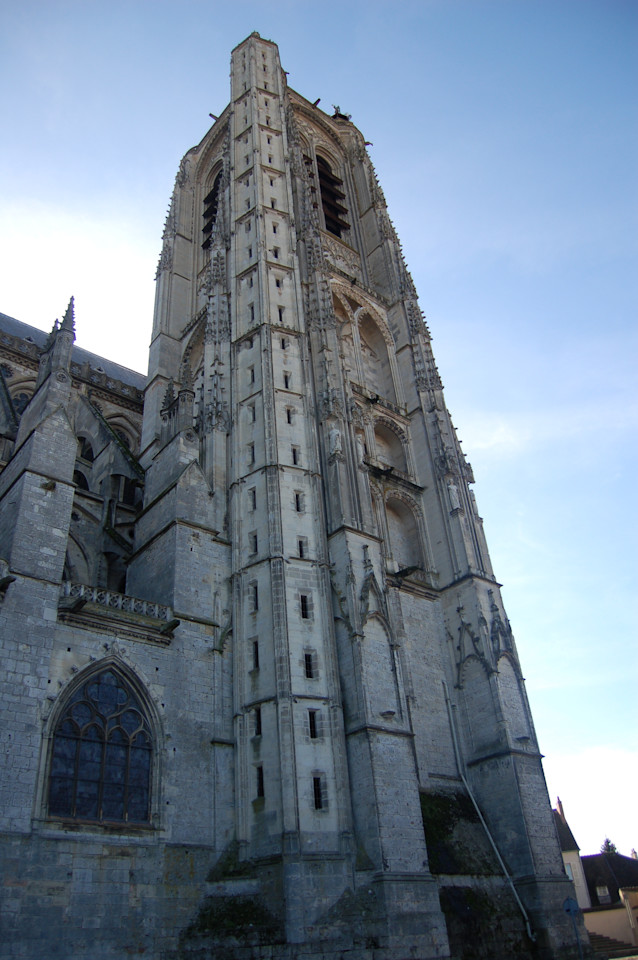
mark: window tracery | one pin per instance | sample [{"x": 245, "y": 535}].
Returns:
[{"x": 101, "y": 754}]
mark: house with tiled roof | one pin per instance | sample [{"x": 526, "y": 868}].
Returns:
[{"x": 606, "y": 886}]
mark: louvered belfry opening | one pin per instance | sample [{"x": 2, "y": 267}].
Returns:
[
  {"x": 332, "y": 197},
  {"x": 211, "y": 205}
]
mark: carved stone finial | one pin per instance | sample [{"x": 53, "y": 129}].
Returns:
[
  {"x": 68, "y": 321},
  {"x": 186, "y": 376},
  {"x": 52, "y": 335},
  {"x": 169, "y": 396}
]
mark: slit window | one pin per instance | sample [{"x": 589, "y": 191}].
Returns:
[
  {"x": 310, "y": 665},
  {"x": 318, "y": 793},
  {"x": 313, "y": 724},
  {"x": 302, "y": 547},
  {"x": 255, "y": 654},
  {"x": 305, "y": 606},
  {"x": 260, "y": 781},
  {"x": 257, "y": 721},
  {"x": 296, "y": 456}
]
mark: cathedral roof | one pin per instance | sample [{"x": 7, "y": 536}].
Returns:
[{"x": 116, "y": 371}]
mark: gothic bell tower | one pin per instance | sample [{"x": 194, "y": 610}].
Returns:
[{"x": 308, "y": 498}]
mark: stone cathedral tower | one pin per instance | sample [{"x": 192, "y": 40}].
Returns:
[{"x": 334, "y": 749}]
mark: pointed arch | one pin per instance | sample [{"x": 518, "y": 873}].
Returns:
[
  {"x": 390, "y": 445},
  {"x": 375, "y": 356},
  {"x": 76, "y": 563},
  {"x": 512, "y": 700},
  {"x": 333, "y": 198},
  {"x": 477, "y": 699},
  {"x": 102, "y": 749},
  {"x": 405, "y": 537}
]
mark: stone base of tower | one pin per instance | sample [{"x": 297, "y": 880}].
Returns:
[
  {"x": 553, "y": 927},
  {"x": 384, "y": 917},
  {"x": 484, "y": 922}
]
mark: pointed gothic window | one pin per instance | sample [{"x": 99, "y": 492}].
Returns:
[
  {"x": 102, "y": 753},
  {"x": 211, "y": 207},
  {"x": 332, "y": 197}
]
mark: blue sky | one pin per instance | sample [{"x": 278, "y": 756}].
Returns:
[{"x": 505, "y": 137}]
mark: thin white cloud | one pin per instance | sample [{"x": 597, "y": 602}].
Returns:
[{"x": 49, "y": 254}]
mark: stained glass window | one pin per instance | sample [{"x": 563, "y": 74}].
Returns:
[{"x": 102, "y": 751}]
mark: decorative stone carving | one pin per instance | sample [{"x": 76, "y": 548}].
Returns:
[
  {"x": 166, "y": 259},
  {"x": 182, "y": 173},
  {"x": 335, "y": 449},
  {"x": 342, "y": 257},
  {"x": 453, "y": 494}
]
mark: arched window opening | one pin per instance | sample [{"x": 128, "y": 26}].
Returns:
[
  {"x": 125, "y": 490},
  {"x": 211, "y": 206},
  {"x": 376, "y": 364},
  {"x": 85, "y": 450},
  {"x": 404, "y": 535},
  {"x": 332, "y": 195},
  {"x": 390, "y": 452},
  {"x": 101, "y": 755},
  {"x": 80, "y": 480},
  {"x": 115, "y": 572}
]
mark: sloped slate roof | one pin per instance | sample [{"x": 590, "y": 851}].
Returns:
[
  {"x": 565, "y": 836},
  {"x": 611, "y": 869},
  {"x": 116, "y": 371}
]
